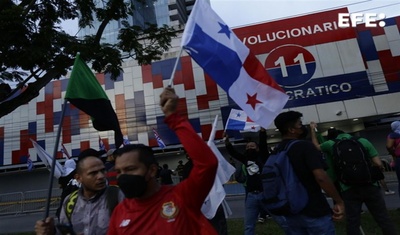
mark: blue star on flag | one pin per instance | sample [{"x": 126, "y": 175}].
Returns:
[{"x": 225, "y": 29}]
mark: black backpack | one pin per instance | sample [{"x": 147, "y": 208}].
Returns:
[
  {"x": 283, "y": 192},
  {"x": 352, "y": 164}
]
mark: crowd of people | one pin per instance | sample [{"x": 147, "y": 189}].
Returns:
[{"x": 129, "y": 193}]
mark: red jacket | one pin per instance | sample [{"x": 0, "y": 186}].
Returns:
[{"x": 174, "y": 210}]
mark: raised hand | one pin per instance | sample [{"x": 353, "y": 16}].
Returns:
[{"x": 168, "y": 101}]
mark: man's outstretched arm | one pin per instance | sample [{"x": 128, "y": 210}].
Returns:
[
  {"x": 314, "y": 139},
  {"x": 205, "y": 163},
  {"x": 233, "y": 152}
]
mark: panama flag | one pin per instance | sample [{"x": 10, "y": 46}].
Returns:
[
  {"x": 211, "y": 43},
  {"x": 159, "y": 140},
  {"x": 238, "y": 120}
]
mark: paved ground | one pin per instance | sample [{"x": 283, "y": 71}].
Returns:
[{"x": 25, "y": 222}]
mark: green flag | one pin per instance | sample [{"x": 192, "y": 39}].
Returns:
[{"x": 86, "y": 93}]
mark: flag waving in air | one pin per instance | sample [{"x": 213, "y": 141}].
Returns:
[
  {"x": 29, "y": 163},
  {"x": 47, "y": 160},
  {"x": 160, "y": 142},
  {"x": 211, "y": 43},
  {"x": 86, "y": 93},
  {"x": 238, "y": 120},
  {"x": 101, "y": 145},
  {"x": 65, "y": 151},
  {"x": 126, "y": 140},
  {"x": 225, "y": 170}
]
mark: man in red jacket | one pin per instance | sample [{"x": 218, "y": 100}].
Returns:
[{"x": 151, "y": 208}]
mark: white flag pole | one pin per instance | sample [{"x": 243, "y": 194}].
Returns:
[
  {"x": 227, "y": 122},
  {"x": 171, "y": 79},
  {"x": 213, "y": 130}
]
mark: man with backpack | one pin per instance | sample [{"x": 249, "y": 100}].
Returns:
[
  {"x": 305, "y": 169},
  {"x": 357, "y": 168},
  {"x": 87, "y": 210}
]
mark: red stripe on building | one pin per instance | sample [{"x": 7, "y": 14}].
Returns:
[{"x": 146, "y": 74}]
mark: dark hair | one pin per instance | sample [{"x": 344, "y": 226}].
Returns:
[
  {"x": 286, "y": 120},
  {"x": 85, "y": 154},
  {"x": 333, "y": 133},
  {"x": 252, "y": 141},
  {"x": 89, "y": 152},
  {"x": 146, "y": 154}
]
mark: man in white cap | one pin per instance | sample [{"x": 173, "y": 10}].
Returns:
[
  {"x": 67, "y": 181},
  {"x": 69, "y": 166}
]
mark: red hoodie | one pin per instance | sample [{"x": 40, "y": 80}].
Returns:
[{"x": 174, "y": 210}]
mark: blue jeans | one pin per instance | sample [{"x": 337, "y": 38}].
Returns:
[
  {"x": 253, "y": 207},
  {"x": 305, "y": 225},
  {"x": 373, "y": 198}
]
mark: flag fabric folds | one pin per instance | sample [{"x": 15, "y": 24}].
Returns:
[
  {"x": 65, "y": 151},
  {"x": 47, "y": 160},
  {"x": 238, "y": 120},
  {"x": 101, "y": 145},
  {"x": 86, "y": 93},
  {"x": 29, "y": 163},
  {"x": 160, "y": 142},
  {"x": 126, "y": 140},
  {"x": 211, "y": 43},
  {"x": 225, "y": 170}
]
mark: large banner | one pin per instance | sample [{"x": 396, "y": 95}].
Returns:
[{"x": 313, "y": 59}]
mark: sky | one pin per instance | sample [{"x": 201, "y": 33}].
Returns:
[{"x": 238, "y": 13}]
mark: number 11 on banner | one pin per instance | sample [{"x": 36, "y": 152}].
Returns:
[
  {"x": 290, "y": 65},
  {"x": 298, "y": 59}
]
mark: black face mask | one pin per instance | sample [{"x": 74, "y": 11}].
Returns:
[
  {"x": 251, "y": 154},
  {"x": 133, "y": 186},
  {"x": 305, "y": 132}
]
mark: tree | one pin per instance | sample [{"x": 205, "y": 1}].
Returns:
[{"x": 32, "y": 44}]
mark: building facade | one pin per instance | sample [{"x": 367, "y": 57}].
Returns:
[
  {"x": 333, "y": 76},
  {"x": 179, "y": 11},
  {"x": 148, "y": 11}
]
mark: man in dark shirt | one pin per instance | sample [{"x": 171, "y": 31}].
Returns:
[
  {"x": 179, "y": 170},
  {"x": 166, "y": 175},
  {"x": 254, "y": 159},
  {"x": 316, "y": 217}
]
